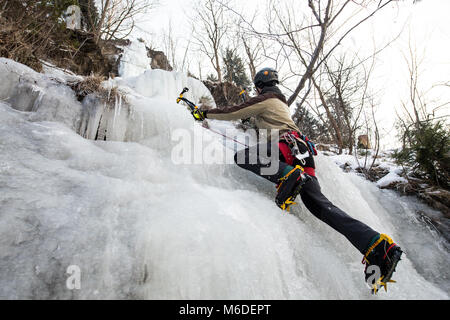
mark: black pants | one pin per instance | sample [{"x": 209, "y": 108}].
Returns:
[{"x": 258, "y": 158}]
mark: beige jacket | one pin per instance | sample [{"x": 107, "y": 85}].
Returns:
[{"x": 269, "y": 109}]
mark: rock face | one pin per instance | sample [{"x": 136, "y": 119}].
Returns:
[
  {"x": 88, "y": 59},
  {"x": 159, "y": 60},
  {"x": 91, "y": 58},
  {"x": 112, "y": 51}
]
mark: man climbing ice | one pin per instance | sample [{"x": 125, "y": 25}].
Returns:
[{"x": 293, "y": 155}]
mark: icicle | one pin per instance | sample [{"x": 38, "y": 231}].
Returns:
[
  {"x": 109, "y": 89},
  {"x": 38, "y": 101},
  {"x": 115, "y": 113},
  {"x": 120, "y": 103}
]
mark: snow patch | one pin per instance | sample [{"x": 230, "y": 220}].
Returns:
[{"x": 390, "y": 178}]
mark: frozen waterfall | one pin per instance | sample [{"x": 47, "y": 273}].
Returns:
[{"x": 139, "y": 226}]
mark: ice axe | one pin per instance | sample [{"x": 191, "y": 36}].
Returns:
[
  {"x": 193, "y": 108},
  {"x": 190, "y": 104},
  {"x": 243, "y": 94}
]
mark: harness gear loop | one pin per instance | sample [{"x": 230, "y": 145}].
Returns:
[{"x": 291, "y": 138}]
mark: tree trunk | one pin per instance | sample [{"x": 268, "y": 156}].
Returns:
[
  {"x": 98, "y": 31},
  {"x": 251, "y": 60},
  {"x": 337, "y": 131},
  {"x": 310, "y": 68},
  {"x": 219, "y": 72}
]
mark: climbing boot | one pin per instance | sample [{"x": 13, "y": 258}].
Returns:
[
  {"x": 289, "y": 187},
  {"x": 381, "y": 259}
]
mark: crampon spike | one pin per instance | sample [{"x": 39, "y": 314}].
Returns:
[
  {"x": 390, "y": 269},
  {"x": 374, "y": 289},
  {"x": 286, "y": 206},
  {"x": 377, "y": 285},
  {"x": 380, "y": 283}
]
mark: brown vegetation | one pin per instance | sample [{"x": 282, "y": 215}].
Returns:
[
  {"x": 94, "y": 85},
  {"x": 31, "y": 33}
]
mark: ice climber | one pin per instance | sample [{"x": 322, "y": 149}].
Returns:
[{"x": 296, "y": 173}]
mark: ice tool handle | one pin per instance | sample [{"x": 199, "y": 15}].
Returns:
[
  {"x": 190, "y": 104},
  {"x": 291, "y": 140},
  {"x": 243, "y": 95}
]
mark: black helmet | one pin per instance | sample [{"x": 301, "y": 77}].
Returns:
[{"x": 266, "y": 76}]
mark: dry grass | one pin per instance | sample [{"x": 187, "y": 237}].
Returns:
[
  {"x": 89, "y": 85},
  {"x": 93, "y": 85}
]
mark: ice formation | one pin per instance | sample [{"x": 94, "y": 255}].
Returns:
[{"x": 140, "y": 226}]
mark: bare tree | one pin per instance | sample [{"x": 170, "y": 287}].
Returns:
[
  {"x": 329, "y": 113},
  {"x": 211, "y": 28},
  {"x": 418, "y": 108},
  {"x": 349, "y": 93},
  {"x": 252, "y": 45},
  {"x": 114, "y": 19},
  {"x": 252, "y": 52},
  {"x": 369, "y": 123},
  {"x": 170, "y": 44},
  {"x": 342, "y": 88},
  {"x": 321, "y": 29},
  {"x": 423, "y": 132},
  {"x": 325, "y": 15}
]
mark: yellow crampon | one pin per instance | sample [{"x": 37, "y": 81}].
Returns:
[
  {"x": 286, "y": 206},
  {"x": 379, "y": 283},
  {"x": 287, "y": 176},
  {"x": 382, "y": 237}
]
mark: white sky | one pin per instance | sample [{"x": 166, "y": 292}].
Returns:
[{"x": 425, "y": 25}]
